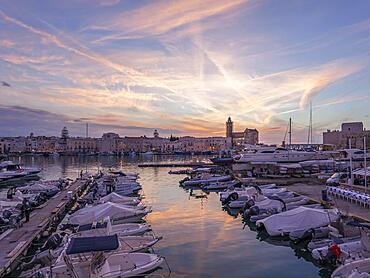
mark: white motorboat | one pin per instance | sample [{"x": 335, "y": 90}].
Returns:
[
  {"x": 37, "y": 188},
  {"x": 220, "y": 185},
  {"x": 207, "y": 179},
  {"x": 127, "y": 244},
  {"x": 297, "y": 219},
  {"x": 356, "y": 269},
  {"x": 118, "y": 214},
  {"x": 272, "y": 154},
  {"x": 89, "y": 260},
  {"x": 10, "y": 170},
  {"x": 349, "y": 250},
  {"x": 106, "y": 227},
  {"x": 236, "y": 193}
]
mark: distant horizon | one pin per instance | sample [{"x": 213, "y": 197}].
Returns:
[{"x": 183, "y": 67}]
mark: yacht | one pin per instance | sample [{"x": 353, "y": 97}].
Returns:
[
  {"x": 355, "y": 154},
  {"x": 272, "y": 154},
  {"x": 10, "y": 170}
]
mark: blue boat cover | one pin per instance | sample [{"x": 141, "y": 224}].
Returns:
[
  {"x": 91, "y": 226},
  {"x": 92, "y": 244}
]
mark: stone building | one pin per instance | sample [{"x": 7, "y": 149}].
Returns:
[
  {"x": 340, "y": 139},
  {"x": 248, "y": 136}
]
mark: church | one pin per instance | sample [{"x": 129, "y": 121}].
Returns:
[{"x": 248, "y": 136}]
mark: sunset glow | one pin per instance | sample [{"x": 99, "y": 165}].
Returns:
[{"x": 183, "y": 67}]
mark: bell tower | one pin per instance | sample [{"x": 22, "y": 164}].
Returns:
[{"x": 229, "y": 128}]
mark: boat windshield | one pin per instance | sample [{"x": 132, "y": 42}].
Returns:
[{"x": 336, "y": 175}]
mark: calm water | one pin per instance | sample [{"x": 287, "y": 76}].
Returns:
[{"x": 200, "y": 239}]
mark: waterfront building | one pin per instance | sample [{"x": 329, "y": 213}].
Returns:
[
  {"x": 81, "y": 145},
  {"x": 110, "y": 142},
  {"x": 113, "y": 143},
  {"x": 340, "y": 138},
  {"x": 248, "y": 136}
]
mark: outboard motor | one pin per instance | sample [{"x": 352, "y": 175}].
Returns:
[
  {"x": 232, "y": 197},
  {"x": 7, "y": 214},
  {"x": 248, "y": 204},
  {"x": 255, "y": 210},
  {"x": 53, "y": 242}
]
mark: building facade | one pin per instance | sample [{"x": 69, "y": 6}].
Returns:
[
  {"x": 353, "y": 132},
  {"x": 248, "y": 136},
  {"x": 113, "y": 143}
]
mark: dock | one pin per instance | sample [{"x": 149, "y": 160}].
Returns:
[
  {"x": 176, "y": 164},
  {"x": 313, "y": 191},
  {"x": 14, "y": 243}
]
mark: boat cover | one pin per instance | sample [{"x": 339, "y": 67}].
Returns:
[
  {"x": 92, "y": 244},
  {"x": 101, "y": 211},
  {"x": 297, "y": 219},
  {"x": 270, "y": 204},
  {"x": 114, "y": 197}
]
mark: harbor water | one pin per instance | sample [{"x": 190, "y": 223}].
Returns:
[{"x": 200, "y": 239}]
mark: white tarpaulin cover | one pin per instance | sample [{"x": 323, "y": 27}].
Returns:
[
  {"x": 116, "y": 198},
  {"x": 273, "y": 190},
  {"x": 99, "y": 212},
  {"x": 270, "y": 204},
  {"x": 301, "y": 218}
]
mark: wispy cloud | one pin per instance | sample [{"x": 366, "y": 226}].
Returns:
[
  {"x": 182, "y": 66},
  {"x": 159, "y": 17}
]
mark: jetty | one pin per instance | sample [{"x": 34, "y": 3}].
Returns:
[
  {"x": 176, "y": 164},
  {"x": 14, "y": 243}
]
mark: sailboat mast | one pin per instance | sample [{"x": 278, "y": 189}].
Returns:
[
  {"x": 290, "y": 132},
  {"x": 309, "y": 136},
  {"x": 311, "y": 125}
]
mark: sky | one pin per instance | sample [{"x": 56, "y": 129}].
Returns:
[{"x": 183, "y": 67}]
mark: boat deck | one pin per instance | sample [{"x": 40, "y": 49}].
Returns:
[{"x": 15, "y": 242}]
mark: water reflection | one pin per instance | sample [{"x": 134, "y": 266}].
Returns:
[{"x": 200, "y": 238}]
